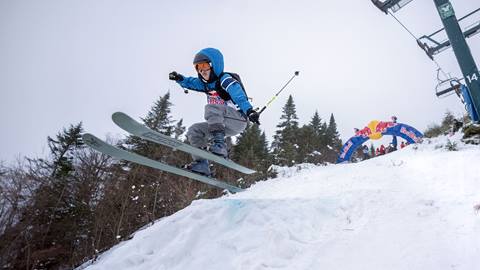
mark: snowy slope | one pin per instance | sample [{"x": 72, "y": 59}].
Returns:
[{"x": 411, "y": 209}]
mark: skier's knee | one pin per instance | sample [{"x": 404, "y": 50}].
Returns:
[
  {"x": 216, "y": 127},
  {"x": 197, "y": 134}
]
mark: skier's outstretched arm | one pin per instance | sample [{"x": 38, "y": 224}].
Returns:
[{"x": 190, "y": 83}]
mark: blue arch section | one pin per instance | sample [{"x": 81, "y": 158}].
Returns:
[
  {"x": 410, "y": 134},
  {"x": 349, "y": 148}
]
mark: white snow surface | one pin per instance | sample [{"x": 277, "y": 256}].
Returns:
[{"x": 416, "y": 208}]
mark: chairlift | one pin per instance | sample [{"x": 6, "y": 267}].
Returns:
[
  {"x": 461, "y": 90},
  {"x": 453, "y": 86},
  {"x": 393, "y": 5},
  {"x": 432, "y": 47},
  {"x": 469, "y": 93}
]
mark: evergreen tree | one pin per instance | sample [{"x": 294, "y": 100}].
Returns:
[
  {"x": 333, "y": 141},
  {"x": 333, "y": 137},
  {"x": 53, "y": 207},
  {"x": 317, "y": 125},
  {"x": 61, "y": 149},
  {"x": 159, "y": 119},
  {"x": 285, "y": 145},
  {"x": 305, "y": 151},
  {"x": 157, "y": 193},
  {"x": 251, "y": 151},
  {"x": 313, "y": 138},
  {"x": 320, "y": 129},
  {"x": 179, "y": 129}
]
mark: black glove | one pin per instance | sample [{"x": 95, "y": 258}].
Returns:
[
  {"x": 174, "y": 76},
  {"x": 253, "y": 116}
]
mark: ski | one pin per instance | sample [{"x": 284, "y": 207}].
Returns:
[
  {"x": 118, "y": 153},
  {"x": 135, "y": 128}
]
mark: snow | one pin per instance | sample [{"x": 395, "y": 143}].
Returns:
[{"x": 416, "y": 208}]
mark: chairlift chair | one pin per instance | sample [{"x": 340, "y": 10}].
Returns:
[{"x": 453, "y": 88}]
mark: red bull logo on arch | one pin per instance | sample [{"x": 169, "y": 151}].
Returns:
[
  {"x": 376, "y": 130},
  {"x": 410, "y": 134}
]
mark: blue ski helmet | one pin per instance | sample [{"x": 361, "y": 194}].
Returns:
[{"x": 214, "y": 57}]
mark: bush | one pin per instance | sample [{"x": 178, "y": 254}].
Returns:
[
  {"x": 434, "y": 131},
  {"x": 451, "y": 146},
  {"x": 449, "y": 123},
  {"x": 471, "y": 130},
  {"x": 471, "y": 134}
]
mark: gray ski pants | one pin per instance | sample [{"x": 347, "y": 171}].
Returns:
[{"x": 218, "y": 118}]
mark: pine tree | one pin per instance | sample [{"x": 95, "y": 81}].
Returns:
[
  {"x": 179, "y": 129},
  {"x": 333, "y": 141},
  {"x": 313, "y": 137},
  {"x": 320, "y": 129},
  {"x": 61, "y": 149},
  {"x": 251, "y": 150},
  {"x": 317, "y": 125},
  {"x": 285, "y": 145},
  {"x": 159, "y": 119},
  {"x": 332, "y": 134},
  {"x": 157, "y": 193},
  {"x": 306, "y": 135},
  {"x": 53, "y": 206}
]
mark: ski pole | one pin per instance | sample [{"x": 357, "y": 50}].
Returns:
[{"x": 276, "y": 95}]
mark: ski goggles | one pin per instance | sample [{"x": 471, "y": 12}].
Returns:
[{"x": 203, "y": 66}]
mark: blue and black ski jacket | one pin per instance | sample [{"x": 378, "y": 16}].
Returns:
[{"x": 221, "y": 79}]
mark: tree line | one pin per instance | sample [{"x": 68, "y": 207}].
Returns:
[{"x": 59, "y": 211}]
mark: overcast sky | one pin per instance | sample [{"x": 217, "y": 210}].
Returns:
[{"x": 62, "y": 62}]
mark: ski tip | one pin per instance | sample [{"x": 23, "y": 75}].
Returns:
[
  {"x": 91, "y": 140},
  {"x": 119, "y": 115},
  {"x": 87, "y": 136},
  {"x": 121, "y": 118}
]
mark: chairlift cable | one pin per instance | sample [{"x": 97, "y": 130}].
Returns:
[
  {"x": 391, "y": 14},
  {"x": 416, "y": 39}
]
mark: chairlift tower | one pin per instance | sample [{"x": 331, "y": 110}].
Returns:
[
  {"x": 460, "y": 48},
  {"x": 456, "y": 39}
]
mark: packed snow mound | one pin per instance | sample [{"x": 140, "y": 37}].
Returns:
[{"x": 416, "y": 208}]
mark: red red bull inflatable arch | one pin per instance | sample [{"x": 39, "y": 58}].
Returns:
[{"x": 376, "y": 130}]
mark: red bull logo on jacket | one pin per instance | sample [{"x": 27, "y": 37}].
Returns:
[{"x": 214, "y": 98}]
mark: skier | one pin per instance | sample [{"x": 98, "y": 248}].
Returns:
[
  {"x": 365, "y": 152},
  {"x": 382, "y": 150},
  {"x": 394, "y": 139},
  {"x": 227, "y": 111}
]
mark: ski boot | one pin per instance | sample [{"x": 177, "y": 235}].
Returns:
[
  {"x": 200, "y": 166},
  {"x": 218, "y": 147}
]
